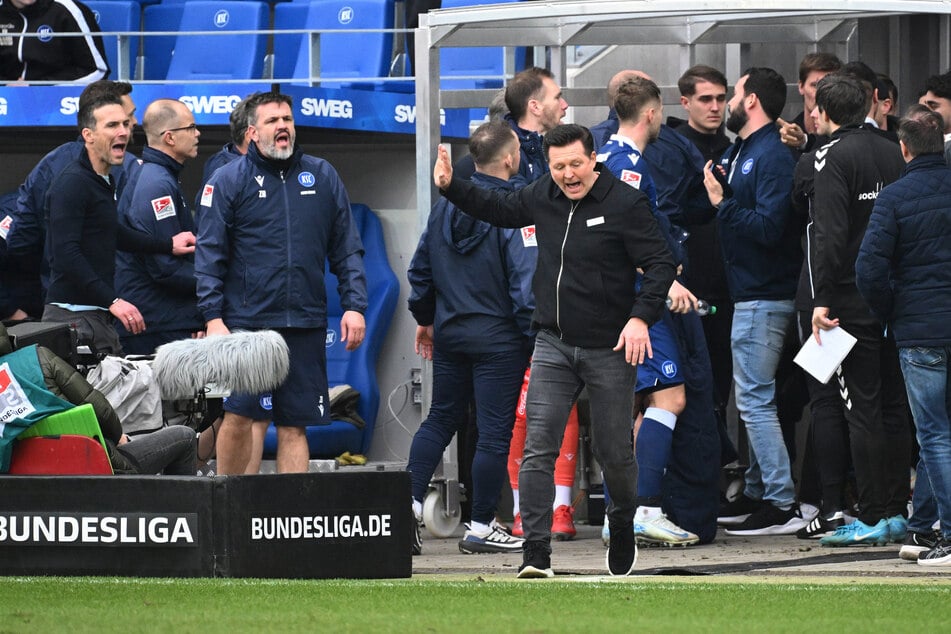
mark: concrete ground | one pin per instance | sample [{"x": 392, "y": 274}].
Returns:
[{"x": 742, "y": 557}]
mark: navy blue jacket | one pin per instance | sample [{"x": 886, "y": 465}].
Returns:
[
  {"x": 601, "y": 132},
  {"x": 225, "y": 155},
  {"x": 84, "y": 234},
  {"x": 704, "y": 271},
  {"x": 161, "y": 286},
  {"x": 677, "y": 167},
  {"x": 473, "y": 282},
  {"x": 532, "y": 165},
  {"x": 758, "y": 234},
  {"x": 222, "y": 157},
  {"x": 903, "y": 269},
  {"x": 265, "y": 231}
]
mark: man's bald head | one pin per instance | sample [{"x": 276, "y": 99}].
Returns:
[
  {"x": 161, "y": 115},
  {"x": 170, "y": 128},
  {"x": 619, "y": 79}
]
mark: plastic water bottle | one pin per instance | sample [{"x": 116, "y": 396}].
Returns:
[{"x": 703, "y": 308}]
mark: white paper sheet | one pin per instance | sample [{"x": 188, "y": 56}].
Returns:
[{"x": 821, "y": 361}]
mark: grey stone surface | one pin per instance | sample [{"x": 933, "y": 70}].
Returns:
[{"x": 728, "y": 556}]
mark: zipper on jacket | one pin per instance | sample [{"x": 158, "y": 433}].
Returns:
[
  {"x": 287, "y": 228},
  {"x": 561, "y": 268}
]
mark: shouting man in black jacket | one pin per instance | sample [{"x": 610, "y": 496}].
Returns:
[
  {"x": 593, "y": 233},
  {"x": 84, "y": 232}
]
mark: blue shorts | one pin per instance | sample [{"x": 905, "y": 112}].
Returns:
[
  {"x": 663, "y": 370},
  {"x": 302, "y": 399}
]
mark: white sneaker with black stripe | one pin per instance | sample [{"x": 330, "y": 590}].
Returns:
[
  {"x": 494, "y": 541},
  {"x": 821, "y": 526}
]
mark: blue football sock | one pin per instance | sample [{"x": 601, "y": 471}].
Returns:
[{"x": 653, "y": 450}]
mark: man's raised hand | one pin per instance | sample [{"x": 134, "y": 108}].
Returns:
[{"x": 442, "y": 172}]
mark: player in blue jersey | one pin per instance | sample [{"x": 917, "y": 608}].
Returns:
[{"x": 660, "y": 383}]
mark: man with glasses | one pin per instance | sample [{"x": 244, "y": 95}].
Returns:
[{"x": 160, "y": 285}]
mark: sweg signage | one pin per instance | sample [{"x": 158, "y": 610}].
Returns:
[
  {"x": 370, "y": 110},
  {"x": 99, "y": 529},
  {"x": 345, "y": 108}
]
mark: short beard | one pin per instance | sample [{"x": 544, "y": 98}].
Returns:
[
  {"x": 281, "y": 155},
  {"x": 737, "y": 120},
  {"x": 272, "y": 152}
]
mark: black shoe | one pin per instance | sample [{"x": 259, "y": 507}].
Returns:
[
  {"x": 735, "y": 512},
  {"x": 916, "y": 543},
  {"x": 820, "y": 526},
  {"x": 417, "y": 537},
  {"x": 536, "y": 560},
  {"x": 770, "y": 520},
  {"x": 622, "y": 550},
  {"x": 940, "y": 555}
]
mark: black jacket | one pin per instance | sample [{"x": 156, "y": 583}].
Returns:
[
  {"x": 850, "y": 171},
  {"x": 47, "y": 57},
  {"x": 83, "y": 236},
  {"x": 711, "y": 146},
  {"x": 588, "y": 251}
]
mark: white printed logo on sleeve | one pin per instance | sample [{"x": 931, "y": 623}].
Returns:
[
  {"x": 528, "y": 236},
  {"x": 163, "y": 207},
  {"x": 13, "y": 400},
  {"x": 206, "y": 195},
  {"x": 631, "y": 178},
  {"x": 5, "y": 225}
]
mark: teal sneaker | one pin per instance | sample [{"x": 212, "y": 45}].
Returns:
[
  {"x": 897, "y": 529},
  {"x": 857, "y": 533}
]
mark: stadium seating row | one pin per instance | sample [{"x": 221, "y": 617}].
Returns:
[{"x": 164, "y": 41}]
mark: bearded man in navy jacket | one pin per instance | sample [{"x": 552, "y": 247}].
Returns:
[
  {"x": 268, "y": 222},
  {"x": 751, "y": 189}
]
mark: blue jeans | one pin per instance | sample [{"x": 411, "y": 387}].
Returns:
[
  {"x": 559, "y": 372},
  {"x": 494, "y": 381},
  {"x": 926, "y": 379},
  {"x": 759, "y": 328}
]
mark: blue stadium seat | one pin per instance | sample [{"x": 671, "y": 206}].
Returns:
[
  {"x": 474, "y": 61},
  {"x": 118, "y": 15},
  {"x": 215, "y": 57},
  {"x": 357, "y": 368},
  {"x": 287, "y": 47},
  {"x": 157, "y": 50},
  {"x": 349, "y": 56}
]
